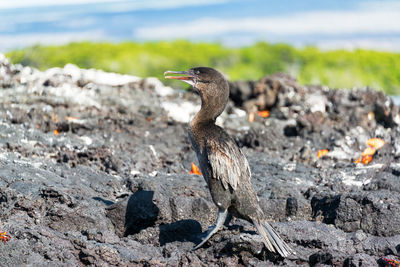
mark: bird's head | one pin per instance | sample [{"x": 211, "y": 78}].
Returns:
[
  {"x": 200, "y": 77},
  {"x": 211, "y": 85}
]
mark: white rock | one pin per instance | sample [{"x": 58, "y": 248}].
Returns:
[
  {"x": 317, "y": 102},
  {"x": 182, "y": 111},
  {"x": 159, "y": 87}
]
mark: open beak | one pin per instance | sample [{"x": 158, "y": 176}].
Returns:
[{"x": 185, "y": 76}]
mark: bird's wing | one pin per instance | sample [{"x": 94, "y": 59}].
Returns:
[{"x": 228, "y": 164}]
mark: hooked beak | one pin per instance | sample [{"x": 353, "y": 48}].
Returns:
[{"x": 186, "y": 76}]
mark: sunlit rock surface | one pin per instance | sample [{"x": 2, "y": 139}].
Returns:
[{"x": 94, "y": 170}]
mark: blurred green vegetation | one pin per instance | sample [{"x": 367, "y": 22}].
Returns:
[{"x": 336, "y": 69}]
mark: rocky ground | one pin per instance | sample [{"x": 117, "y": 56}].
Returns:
[{"x": 95, "y": 171}]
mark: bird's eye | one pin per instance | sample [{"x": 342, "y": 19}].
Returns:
[{"x": 197, "y": 72}]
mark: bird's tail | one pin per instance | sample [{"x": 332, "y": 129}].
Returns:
[{"x": 272, "y": 240}]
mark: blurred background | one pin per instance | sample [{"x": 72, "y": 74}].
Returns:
[{"x": 342, "y": 43}]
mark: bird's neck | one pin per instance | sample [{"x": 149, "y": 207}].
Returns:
[
  {"x": 209, "y": 111},
  {"x": 202, "y": 117}
]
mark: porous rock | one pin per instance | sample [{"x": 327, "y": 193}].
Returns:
[{"x": 94, "y": 170}]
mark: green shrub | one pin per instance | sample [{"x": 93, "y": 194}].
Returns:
[{"x": 336, "y": 69}]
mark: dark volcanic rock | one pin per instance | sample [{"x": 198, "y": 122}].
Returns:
[
  {"x": 94, "y": 171},
  {"x": 377, "y": 212},
  {"x": 360, "y": 260},
  {"x": 241, "y": 91},
  {"x": 161, "y": 200}
]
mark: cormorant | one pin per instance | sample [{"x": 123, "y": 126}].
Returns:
[{"x": 222, "y": 163}]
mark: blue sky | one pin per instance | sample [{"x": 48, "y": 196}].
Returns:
[{"x": 327, "y": 24}]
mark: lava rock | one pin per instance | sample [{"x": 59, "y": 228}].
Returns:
[{"x": 94, "y": 170}]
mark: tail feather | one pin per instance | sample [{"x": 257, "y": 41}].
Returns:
[{"x": 272, "y": 240}]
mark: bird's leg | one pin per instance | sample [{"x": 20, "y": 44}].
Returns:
[
  {"x": 228, "y": 219},
  {"x": 218, "y": 224}
]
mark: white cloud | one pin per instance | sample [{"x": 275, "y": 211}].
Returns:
[
  {"x": 119, "y": 5},
  {"x": 160, "y": 5},
  {"x": 30, "y": 17},
  {"x": 38, "y": 3},
  {"x": 379, "y": 44},
  {"x": 23, "y": 40},
  {"x": 361, "y": 21}
]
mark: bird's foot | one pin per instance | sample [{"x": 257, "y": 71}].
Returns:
[{"x": 213, "y": 229}]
